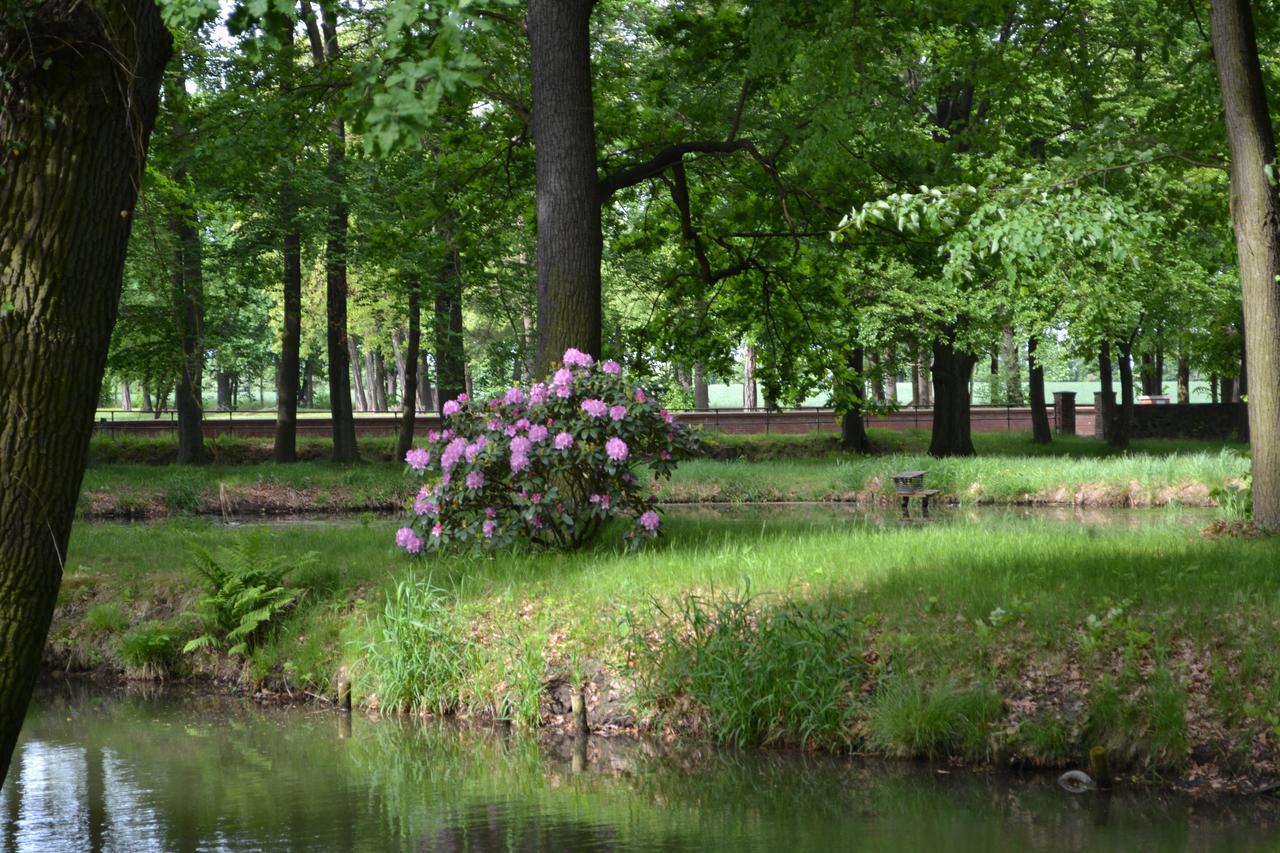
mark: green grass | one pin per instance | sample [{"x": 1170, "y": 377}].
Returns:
[
  {"x": 1009, "y": 468},
  {"x": 812, "y": 628}
]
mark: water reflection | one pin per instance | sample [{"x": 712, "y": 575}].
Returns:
[{"x": 123, "y": 772}]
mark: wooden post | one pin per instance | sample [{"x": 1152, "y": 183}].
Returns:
[
  {"x": 578, "y": 704},
  {"x": 344, "y": 694},
  {"x": 1099, "y": 769}
]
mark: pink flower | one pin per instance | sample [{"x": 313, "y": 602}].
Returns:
[
  {"x": 612, "y": 367},
  {"x": 453, "y": 452},
  {"x": 666, "y": 416},
  {"x": 537, "y": 433},
  {"x": 436, "y": 530},
  {"x": 538, "y": 394},
  {"x": 537, "y": 521},
  {"x": 490, "y": 512},
  {"x": 520, "y": 445},
  {"x": 408, "y": 540},
  {"x": 423, "y": 504},
  {"x": 473, "y": 450},
  {"x": 650, "y": 521},
  {"x": 640, "y": 397},
  {"x": 451, "y": 407},
  {"x": 433, "y": 435},
  {"x": 488, "y": 527},
  {"x": 563, "y": 377},
  {"x": 522, "y": 424},
  {"x": 576, "y": 358},
  {"x": 616, "y": 449},
  {"x": 664, "y": 454},
  {"x": 564, "y": 441},
  {"x": 595, "y": 499},
  {"x": 513, "y": 397},
  {"x": 510, "y": 430},
  {"x": 519, "y": 462},
  {"x": 617, "y": 413},
  {"x": 595, "y": 408},
  {"x": 536, "y": 498},
  {"x": 475, "y": 480},
  {"x": 417, "y": 458},
  {"x": 464, "y": 397},
  {"x": 494, "y": 424}
]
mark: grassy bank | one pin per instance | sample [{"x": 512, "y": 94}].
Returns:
[
  {"x": 1009, "y": 468},
  {"x": 1007, "y": 642}
]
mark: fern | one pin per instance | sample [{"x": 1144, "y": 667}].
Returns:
[{"x": 244, "y": 595}]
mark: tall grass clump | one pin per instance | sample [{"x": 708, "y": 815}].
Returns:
[
  {"x": 420, "y": 657},
  {"x": 153, "y": 650},
  {"x": 943, "y": 721},
  {"x": 784, "y": 674},
  {"x": 1139, "y": 724}
]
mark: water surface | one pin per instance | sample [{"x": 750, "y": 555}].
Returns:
[{"x": 176, "y": 771}]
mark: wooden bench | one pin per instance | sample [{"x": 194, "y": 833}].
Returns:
[{"x": 910, "y": 484}]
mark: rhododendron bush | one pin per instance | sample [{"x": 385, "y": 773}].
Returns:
[{"x": 547, "y": 464}]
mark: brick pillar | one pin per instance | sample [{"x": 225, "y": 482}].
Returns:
[
  {"x": 1103, "y": 407},
  {"x": 1064, "y": 406}
]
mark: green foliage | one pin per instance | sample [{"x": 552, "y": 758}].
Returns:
[
  {"x": 107, "y": 618},
  {"x": 938, "y": 722},
  {"x": 420, "y": 654},
  {"x": 782, "y": 674},
  {"x": 153, "y": 649},
  {"x": 244, "y": 594},
  {"x": 1140, "y": 721}
]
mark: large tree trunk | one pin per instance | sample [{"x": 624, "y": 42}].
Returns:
[
  {"x": 951, "y": 372},
  {"x": 409, "y": 380},
  {"x": 426, "y": 398},
  {"x": 1255, "y": 213},
  {"x": 397, "y": 353},
  {"x": 451, "y": 359},
  {"x": 1104, "y": 418},
  {"x": 79, "y": 85},
  {"x": 371, "y": 379},
  {"x": 853, "y": 432},
  {"x": 126, "y": 399},
  {"x": 1041, "y": 433},
  {"x": 1184, "y": 380},
  {"x": 286, "y": 441},
  {"x": 701, "y": 393},
  {"x": 324, "y": 49},
  {"x": 924, "y": 388},
  {"x": 568, "y": 196}
]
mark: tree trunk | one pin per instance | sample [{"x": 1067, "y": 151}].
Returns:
[
  {"x": 1123, "y": 422},
  {"x": 925, "y": 394},
  {"x": 1255, "y": 214},
  {"x": 1213, "y": 388},
  {"x": 568, "y": 195},
  {"x": 426, "y": 399},
  {"x": 79, "y": 86},
  {"x": 188, "y": 296},
  {"x": 1105, "y": 419},
  {"x": 451, "y": 357},
  {"x": 380, "y": 380},
  {"x": 409, "y": 373},
  {"x": 1147, "y": 377},
  {"x": 286, "y": 440},
  {"x": 223, "y": 381},
  {"x": 1242, "y": 391},
  {"x": 853, "y": 432},
  {"x": 701, "y": 393},
  {"x": 397, "y": 353},
  {"x": 1184, "y": 380},
  {"x": 126, "y": 399},
  {"x": 890, "y": 377},
  {"x": 1041, "y": 433},
  {"x": 357, "y": 374},
  {"x": 951, "y": 372},
  {"x": 1012, "y": 369},
  {"x": 371, "y": 379},
  {"x": 750, "y": 393},
  {"x": 324, "y": 50},
  {"x": 876, "y": 377}
]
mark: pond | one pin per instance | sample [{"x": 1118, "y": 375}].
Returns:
[{"x": 146, "y": 769}]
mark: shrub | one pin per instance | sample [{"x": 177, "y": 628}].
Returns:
[
  {"x": 548, "y": 464},
  {"x": 152, "y": 650},
  {"x": 244, "y": 593}
]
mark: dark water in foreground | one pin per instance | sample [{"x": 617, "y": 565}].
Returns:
[{"x": 128, "y": 771}]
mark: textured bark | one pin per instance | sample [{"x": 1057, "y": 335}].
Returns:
[
  {"x": 126, "y": 399},
  {"x": 1184, "y": 380},
  {"x": 924, "y": 381},
  {"x": 451, "y": 359},
  {"x": 409, "y": 376},
  {"x": 1104, "y": 419},
  {"x": 286, "y": 440},
  {"x": 1041, "y": 432},
  {"x": 1255, "y": 213},
  {"x": 952, "y": 370},
  {"x": 568, "y": 193},
  {"x": 79, "y": 85},
  {"x": 890, "y": 377},
  {"x": 853, "y": 432}
]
